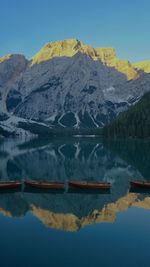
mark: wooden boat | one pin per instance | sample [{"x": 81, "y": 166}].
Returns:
[
  {"x": 140, "y": 184},
  {"x": 44, "y": 184},
  {"x": 89, "y": 185},
  {"x": 10, "y": 184}
]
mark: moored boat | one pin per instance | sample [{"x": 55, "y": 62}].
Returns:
[
  {"x": 89, "y": 185},
  {"x": 10, "y": 184},
  {"x": 44, "y": 184},
  {"x": 140, "y": 184}
]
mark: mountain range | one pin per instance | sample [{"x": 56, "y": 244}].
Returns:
[{"x": 68, "y": 84}]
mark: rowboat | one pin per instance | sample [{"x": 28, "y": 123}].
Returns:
[
  {"x": 140, "y": 184},
  {"x": 44, "y": 185},
  {"x": 10, "y": 184},
  {"x": 89, "y": 185}
]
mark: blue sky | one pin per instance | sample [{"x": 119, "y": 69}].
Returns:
[{"x": 26, "y": 25}]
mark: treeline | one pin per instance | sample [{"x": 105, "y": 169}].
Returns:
[
  {"x": 46, "y": 131},
  {"x": 135, "y": 152},
  {"x": 133, "y": 123}
]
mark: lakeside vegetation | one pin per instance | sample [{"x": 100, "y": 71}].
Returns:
[
  {"x": 46, "y": 131},
  {"x": 135, "y": 122},
  {"x": 136, "y": 152}
]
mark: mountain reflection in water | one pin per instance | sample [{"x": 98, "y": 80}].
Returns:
[{"x": 74, "y": 159}]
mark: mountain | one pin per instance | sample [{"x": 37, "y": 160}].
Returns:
[
  {"x": 68, "y": 84},
  {"x": 135, "y": 122}
]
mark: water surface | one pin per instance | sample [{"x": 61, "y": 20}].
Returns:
[{"x": 41, "y": 228}]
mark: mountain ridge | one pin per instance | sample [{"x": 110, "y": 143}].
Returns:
[
  {"x": 70, "y": 47},
  {"x": 142, "y": 65}
]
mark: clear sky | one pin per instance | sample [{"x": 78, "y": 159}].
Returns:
[{"x": 26, "y": 25}]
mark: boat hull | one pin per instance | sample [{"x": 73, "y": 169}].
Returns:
[
  {"x": 138, "y": 184},
  {"x": 89, "y": 185},
  {"x": 44, "y": 185},
  {"x": 10, "y": 185}
]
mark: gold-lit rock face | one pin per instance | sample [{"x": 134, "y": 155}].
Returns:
[
  {"x": 108, "y": 57},
  {"x": 145, "y": 204},
  {"x": 143, "y": 65},
  {"x": 70, "y": 47},
  {"x": 2, "y": 59},
  {"x": 70, "y": 222},
  {"x": 5, "y": 212},
  {"x": 66, "y": 222}
]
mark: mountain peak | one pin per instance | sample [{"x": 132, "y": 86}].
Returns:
[
  {"x": 64, "y": 43},
  {"x": 14, "y": 57},
  {"x": 70, "y": 47}
]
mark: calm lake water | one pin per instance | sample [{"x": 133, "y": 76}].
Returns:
[{"x": 75, "y": 229}]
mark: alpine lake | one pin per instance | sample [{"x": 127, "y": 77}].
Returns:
[{"x": 75, "y": 228}]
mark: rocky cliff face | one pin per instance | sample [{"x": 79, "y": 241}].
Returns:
[
  {"x": 11, "y": 67},
  {"x": 70, "y": 84}
]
